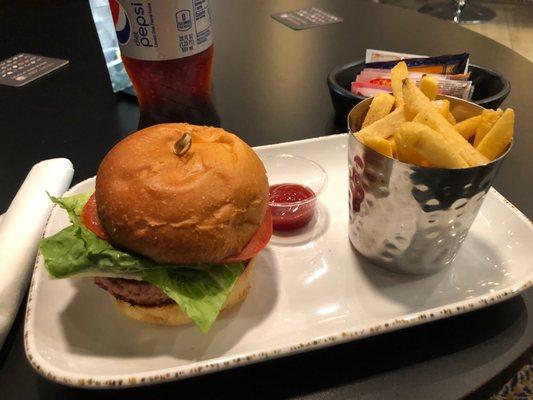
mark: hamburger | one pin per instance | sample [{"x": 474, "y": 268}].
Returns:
[{"x": 178, "y": 214}]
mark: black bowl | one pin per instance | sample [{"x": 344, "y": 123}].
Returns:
[{"x": 490, "y": 90}]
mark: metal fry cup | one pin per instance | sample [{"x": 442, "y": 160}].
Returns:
[{"x": 408, "y": 218}]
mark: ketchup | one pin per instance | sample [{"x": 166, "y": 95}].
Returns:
[{"x": 292, "y": 205}]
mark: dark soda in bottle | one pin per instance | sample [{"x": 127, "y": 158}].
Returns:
[{"x": 167, "y": 50}]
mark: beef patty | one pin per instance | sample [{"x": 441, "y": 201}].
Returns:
[{"x": 137, "y": 293}]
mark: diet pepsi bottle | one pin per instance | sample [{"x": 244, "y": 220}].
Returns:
[{"x": 167, "y": 49}]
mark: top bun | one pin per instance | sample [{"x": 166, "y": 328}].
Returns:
[{"x": 200, "y": 207}]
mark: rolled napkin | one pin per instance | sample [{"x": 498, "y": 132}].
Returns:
[{"x": 20, "y": 230}]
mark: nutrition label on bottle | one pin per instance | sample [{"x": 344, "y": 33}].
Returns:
[{"x": 162, "y": 29}]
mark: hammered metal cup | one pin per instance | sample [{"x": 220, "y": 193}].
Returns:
[{"x": 408, "y": 218}]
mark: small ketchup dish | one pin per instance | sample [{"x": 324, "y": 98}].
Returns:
[{"x": 295, "y": 185}]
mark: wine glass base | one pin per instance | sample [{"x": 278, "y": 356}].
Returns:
[{"x": 470, "y": 14}]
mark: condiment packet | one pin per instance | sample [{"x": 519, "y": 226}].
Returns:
[
  {"x": 373, "y": 55},
  {"x": 446, "y": 64}
]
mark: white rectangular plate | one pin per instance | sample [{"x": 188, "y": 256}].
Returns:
[{"x": 309, "y": 290}]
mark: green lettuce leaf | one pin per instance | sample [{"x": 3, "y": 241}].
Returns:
[
  {"x": 199, "y": 290},
  {"x": 73, "y": 205},
  {"x": 200, "y": 293},
  {"x": 76, "y": 249}
]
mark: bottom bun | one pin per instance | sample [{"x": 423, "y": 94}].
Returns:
[{"x": 172, "y": 314}]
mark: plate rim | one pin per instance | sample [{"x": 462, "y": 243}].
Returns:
[{"x": 51, "y": 372}]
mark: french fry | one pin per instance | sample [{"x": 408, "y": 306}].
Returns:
[
  {"x": 393, "y": 146},
  {"x": 379, "y": 144},
  {"x": 449, "y": 116},
  {"x": 444, "y": 108},
  {"x": 432, "y": 118},
  {"x": 398, "y": 73},
  {"x": 429, "y": 144},
  {"x": 429, "y": 86},
  {"x": 498, "y": 138},
  {"x": 467, "y": 128},
  {"x": 488, "y": 119},
  {"x": 383, "y": 127},
  {"x": 380, "y": 107},
  {"x": 441, "y": 105},
  {"x": 414, "y": 100},
  {"x": 404, "y": 151}
]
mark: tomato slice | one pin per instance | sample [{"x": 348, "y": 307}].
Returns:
[
  {"x": 89, "y": 217},
  {"x": 258, "y": 241}
]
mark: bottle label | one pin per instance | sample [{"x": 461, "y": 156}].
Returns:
[{"x": 162, "y": 29}]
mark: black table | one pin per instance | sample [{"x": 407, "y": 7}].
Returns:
[{"x": 269, "y": 84}]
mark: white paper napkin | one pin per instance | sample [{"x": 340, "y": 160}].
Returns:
[{"x": 21, "y": 229}]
